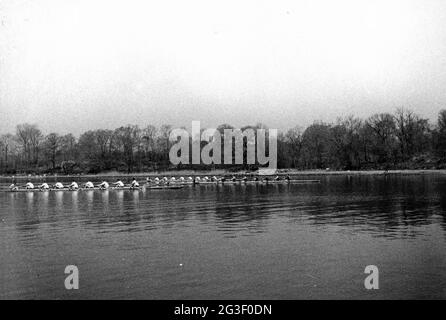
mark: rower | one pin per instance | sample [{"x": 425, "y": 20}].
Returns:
[
  {"x": 256, "y": 178},
  {"x": 58, "y": 185},
  {"x": 73, "y": 186},
  {"x": 233, "y": 179},
  {"x": 89, "y": 185},
  {"x": 181, "y": 179},
  {"x": 205, "y": 178},
  {"x": 287, "y": 178},
  {"x": 134, "y": 184},
  {"x": 165, "y": 179},
  {"x": 214, "y": 178},
  {"x": 266, "y": 179},
  {"x": 172, "y": 179},
  {"x": 157, "y": 180},
  {"x": 44, "y": 186},
  {"x": 244, "y": 179},
  {"x": 148, "y": 180},
  {"x": 29, "y": 185},
  {"x": 118, "y": 184},
  {"x": 104, "y": 185},
  {"x": 277, "y": 178},
  {"x": 13, "y": 187}
]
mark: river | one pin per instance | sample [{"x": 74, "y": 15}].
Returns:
[{"x": 229, "y": 241}]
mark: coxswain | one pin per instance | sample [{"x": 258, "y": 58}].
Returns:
[{"x": 13, "y": 187}]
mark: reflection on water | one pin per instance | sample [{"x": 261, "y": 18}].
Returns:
[{"x": 233, "y": 241}]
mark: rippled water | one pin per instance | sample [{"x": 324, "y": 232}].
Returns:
[{"x": 231, "y": 241}]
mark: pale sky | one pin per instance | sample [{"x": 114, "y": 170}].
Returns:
[{"x": 71, "y": 66}]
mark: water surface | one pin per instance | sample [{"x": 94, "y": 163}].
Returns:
[{"x": 229, "y": 242}]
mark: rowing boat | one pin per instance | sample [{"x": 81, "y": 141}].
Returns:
[
  {"x": 240, "y": 182},
  {"x": 97, "y": 189},
  {"x": 173, "y": 185},
  {"x": 164, "y": 187}
]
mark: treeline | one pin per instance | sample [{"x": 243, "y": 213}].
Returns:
[{"x": 402, "y": 140}]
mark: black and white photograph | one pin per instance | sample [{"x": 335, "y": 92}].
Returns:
[{"x": 203, "y": 150}]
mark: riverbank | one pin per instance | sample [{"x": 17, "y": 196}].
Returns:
[
  {"x": 280, "y": 172},
  {"x": 359, "y": 172}
]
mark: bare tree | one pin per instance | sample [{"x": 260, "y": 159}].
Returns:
[
  {"x": 127, "y": 138},
  {"x": 68, "y": 147},
  {"x": 316, "y": 141},
  {"x": 440, "y": 143},
  {"x": 294, "y": 138},
  {"x": 30, "y": 138},
  {"x": 411, "y": 131},
  {"x": 383, "y": 138},
  {"x": 52, "y": 146},
  {"x": 7, "y": 148}
]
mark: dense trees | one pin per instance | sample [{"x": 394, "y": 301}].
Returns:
[
  {"x": 439, "y": 135},
  {"x": 382, "y": 141}
]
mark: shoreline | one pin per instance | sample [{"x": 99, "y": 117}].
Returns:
[{"x": 280, "y": 172}]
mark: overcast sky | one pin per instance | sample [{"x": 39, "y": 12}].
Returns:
[{"x": 71, "y": 66}]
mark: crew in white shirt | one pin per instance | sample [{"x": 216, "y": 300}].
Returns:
[
  {"x": 104, "y": 185},
  {"x": 44, "y": 186},
  {"x": 118, "y": 184},
  {"x": 89, "y": 185},
  {"x": 29, "y": 185},
  {"x": 59, "y": 185},
  {"x": 73, "y": 186},
  {"x": 134, "y": 184}
]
